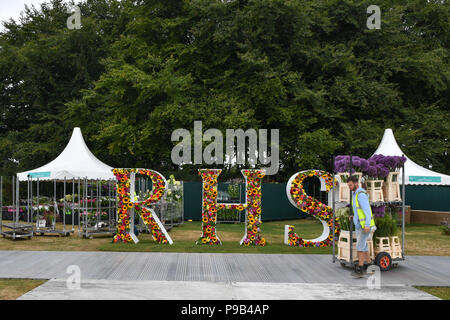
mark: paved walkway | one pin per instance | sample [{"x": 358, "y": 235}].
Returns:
[
  {"x": 217, "y": 267},
  {"x": 56, "y": 289},
  {"x": 152, "y": 275}
]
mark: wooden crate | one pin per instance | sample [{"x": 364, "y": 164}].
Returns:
[
  {"x": 344, "y": 247},
  {"x": 383, "y": 244},
  {"x": 375, "y": 190},
  {"x": 344, "y": 191},
  {"x": 391, "y": 188},
  {"x": 396, "y": 248}
]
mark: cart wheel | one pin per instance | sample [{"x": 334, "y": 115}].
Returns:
[
  {"x": 384, "y": 261},
  {"x": 343, "y": 264}
]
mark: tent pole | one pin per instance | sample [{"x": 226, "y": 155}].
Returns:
[
  {"x": 73, "y": 200},
  {"x": 37, "y": 199},
  {"x": 79, "y": 205},
  {"x": 351, "y": 214},
  {"x": 32, "y": 202},
  {"x": 64, "y": 207},
  {"x": 85, "y": 217},
  {"x": 334, "y": 215},
  {"x": 28, "y": 199},
  {"x": 17, "y": 201},
  {"x": 97, "y": 200},
  {"x": 55, "y": 203},
  {"x": 13, "y": 195},
  {"x": 403, "y": 211},
  {"x": 109, "y": 205}
]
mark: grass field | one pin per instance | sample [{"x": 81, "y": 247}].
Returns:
[
  {"x": 420, "y": 240},
  {"x": 11, "y": 289},
  {"x": 440, "y": 292},
  {"x": 184, "y": 238}
]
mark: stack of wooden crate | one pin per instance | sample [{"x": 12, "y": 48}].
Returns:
[
  {"x": 391, "y": 188},
  {"x": 375, "y": 190},
  {"x": 344, "y": 247},
  {"x": 390, "y": 245},
  {"x": 344, "y": 191},
  {"x": 396, "y": 248}
]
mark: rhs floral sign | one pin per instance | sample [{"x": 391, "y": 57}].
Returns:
[
  {"x": 298, "y": 197},
  {"x": 126, "y": 205},
  {"x": 253, "y": 178},
  {"x": 252, "y": 206}
]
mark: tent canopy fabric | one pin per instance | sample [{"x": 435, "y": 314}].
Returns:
[
  {"x": 415, "y": 174},
  {"x": 76, "y": 161}
]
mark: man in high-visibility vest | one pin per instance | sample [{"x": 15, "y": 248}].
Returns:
[{"x": 364, "y": 224}]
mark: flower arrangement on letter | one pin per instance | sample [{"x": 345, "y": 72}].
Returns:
[
  {"x": 209, "y": 210},
  {"x": 125, "y": 204},
  {"x": 313, "y": 207},
  {"x": 253, "y": 235},
  {"x": 210, "y": 207}
]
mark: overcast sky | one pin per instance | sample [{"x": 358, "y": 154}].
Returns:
[{"x": 12, "y": 8}]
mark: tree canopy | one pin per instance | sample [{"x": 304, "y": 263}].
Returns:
[{"x": 137, "y": 70}]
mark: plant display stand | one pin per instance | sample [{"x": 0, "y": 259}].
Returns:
[
  {"x": 42, "y": 228},
  {"x": 375, "y": 190},
  {"x": 385, "y": 252},
  {"x": 344, "y": 191},
  {"x": 17, "y": 230},
  {"x": 391, "y": 188}
]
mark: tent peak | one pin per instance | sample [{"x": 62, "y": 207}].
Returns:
[
  {"x": 415, "y": 174},
  {"x": 75, "y": 161}
]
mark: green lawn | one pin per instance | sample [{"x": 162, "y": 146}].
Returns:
[
  {"x": 184, "y": 238},
  {"x": 11, "y": 289},
  {"x": 420, "y": 240},
  {"x": 426, "y": 240},
  {"x": 440, "y": 292}
]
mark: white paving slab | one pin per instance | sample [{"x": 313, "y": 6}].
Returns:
[{"x": 57, "y": 289}]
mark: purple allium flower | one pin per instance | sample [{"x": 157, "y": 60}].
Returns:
[
  {"x": 364, "y": 164},
  {"x": 372, "y": 171}
]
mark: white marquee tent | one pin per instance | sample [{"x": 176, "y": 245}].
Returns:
[
  {"x": 415, "y": 174},
  {"x": 76, "y": 161}
]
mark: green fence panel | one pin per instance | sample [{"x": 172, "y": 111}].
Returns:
[
  {"x": 192, "y": 200},
  {"x": 433, "y": 198},
  {"x": 275, "y": 204}
]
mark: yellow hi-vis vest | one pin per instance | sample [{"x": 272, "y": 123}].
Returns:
[{"x": 361, "y": 215}]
